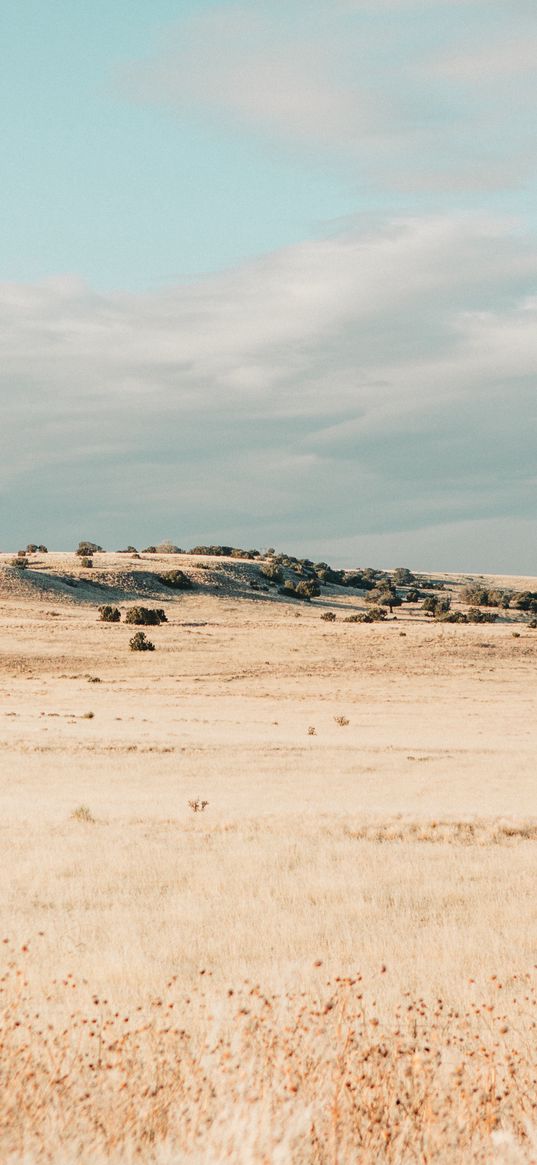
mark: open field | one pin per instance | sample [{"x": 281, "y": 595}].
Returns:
[{"x": 371, "y": 818}]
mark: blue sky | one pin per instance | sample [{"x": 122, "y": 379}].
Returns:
[{"x": 268, "y": 276}]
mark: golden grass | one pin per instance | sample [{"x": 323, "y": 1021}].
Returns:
[
  {"x": 359, "y": 891},
  {"x": 253, "y": 1076}
]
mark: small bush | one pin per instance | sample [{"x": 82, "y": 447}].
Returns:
[
  {"x": 376, "y": 615},
  {"x": 177, "y": 580},
  {"x": 87, "y": 563},
  {"x": 109, "y": 614},
  {"x": 31, "y": 548},
  {"x": 403, "y": 577},
  {"x": 20, "y": 562},
  {"x": 533, "y": 624},
  {"x": 272, "y": 572},
  {"x": 308, "y": 589},
  {"x": 83, "y": 813},
  {"x": 42, "y": 549},
  {"x": 86, "y": 549},
  {"x": 139, "y": 642},
  {"x": 197, "y": 805},
  {"x": 342, "y": 721},
  {"x": 146, "y": 616},
  {"x": 328, "y": 617},
  {"x": 168, "y": 548},
  {"x": 150, "y": 550},
  {"x": 477, "y": 616}
]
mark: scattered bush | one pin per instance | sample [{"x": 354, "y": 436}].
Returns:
[
  {"x": 525, "y": 601},
  {"x": 328, "y": 617},
  {"x": 533, "y": 624},
  {"x": 272, "y": 572},
  {"x": 197, "y": 805},
  {"x": 225, "y": 552},
  {"x": 342, "y": 721},
  {"x": 150, "y": 550},
  {"x": 20, "y": 562},
  {"x": 308, "y": 589},
  {"x": 86, "y": 549},
  {"x": 334, "y": 578},
  {"x": 146, "y": 616},
  {"x": 83, "y": 813},
  {"x": 168, "y": 548},
  {"x": 413, "y": 595},
  {"x": 477, "y": 616},
  {"x": 403, "y": 577},
  {"x": 384, "y": 596},
  {"x": 129, "y": 550},
  {"x": 481, "y": 596},
  {"x": 177, "y": 580},
  {"x": 451, "y": 617},
  {"x": 139, "y": 642},
  {"x": 436, "y": 606},
  {"x": 87, "y": 563},
  {"x": 109, "y": 614}
]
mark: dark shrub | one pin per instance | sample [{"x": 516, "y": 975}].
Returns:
[
  {"x": 150, "y": 550},
  {"x": 20, "y": 562},
  {"x": 109, "y": 614},
  {"x": 146, "y": 616},
  {"x": 334, "y": 578},
  {"x": 451, "y": 617},
  {"x": 525, "y": 601},
  {"x": 533, "y": 624},
  {"x": 328, "y": 617},
  {"x": 413, "y": 595},
  {"x": 272, "y": 572},
  {"x": 434, "y": 606},
  {"x": 42, "y": 549},
  {"x": 403, "y": 577},
  {"x": 129, "y": 550},
  {"x": 477, "y": 616},
  {"x": 359, "y": 580},
  {"x": 177, "y": 580},
  {"x": 139, "y": 642},
  {"x": 31, "y": 548},
  {"x": 376, "y": 614},
  {"x": 86, "y": 562},
  {"x": 308, "y": 589},
  {"x": 86, "y": 549},
  {"x": 384, "y": 596}
]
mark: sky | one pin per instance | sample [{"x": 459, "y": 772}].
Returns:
[{"x": 268, "y": 277}]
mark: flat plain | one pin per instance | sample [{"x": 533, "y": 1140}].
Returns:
[{"x": 334, "y": 960}]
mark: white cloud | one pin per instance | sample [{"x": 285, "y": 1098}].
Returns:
[
  {"x": 382, "y": 380},
  {"x": 417, "y": 99}
]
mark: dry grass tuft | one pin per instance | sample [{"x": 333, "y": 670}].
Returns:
[{"x": 252, "y": 1077}]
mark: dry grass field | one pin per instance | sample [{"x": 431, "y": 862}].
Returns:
[{"x": 336, "y": 960}]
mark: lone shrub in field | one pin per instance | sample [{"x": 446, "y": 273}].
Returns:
[
  {"x": 328, "y": 617},
  {"x": 177, "y": 580},
  {"x": 20, "y": 562},
  {"x": 87, "y": 563},
  {"x": 109, "y": 614},
  {"x": 146, "y": 616},
  {"x": 86, "y": 549},
  {"x": 139, "y": 642}
]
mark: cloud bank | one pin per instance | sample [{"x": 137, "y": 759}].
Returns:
[{"x": 366, "y": 383}]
